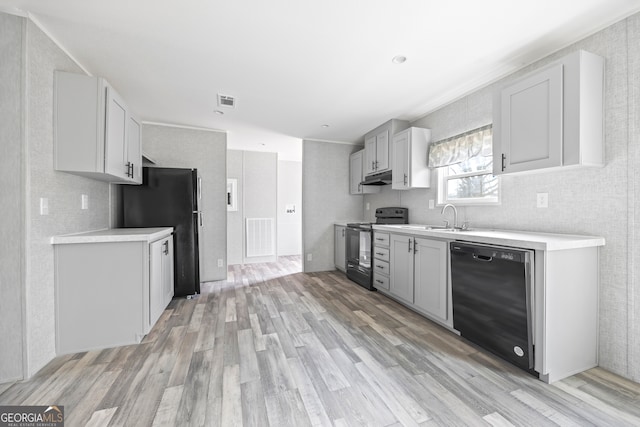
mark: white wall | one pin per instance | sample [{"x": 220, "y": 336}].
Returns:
[
  {"x": 289, "y": 193},
  {"x": 37, "y": 180},
  {"x": 257, "y": 175},
  {"x": 600, "y": 201},
  {"x": 205, "y": 150},
  {"x": 235, "y": 219},
  {"x": 12, "y": 231},
  {"x": 325, "y": 199}
]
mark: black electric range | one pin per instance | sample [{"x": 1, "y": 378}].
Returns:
[{"x": 359, "y": 244}]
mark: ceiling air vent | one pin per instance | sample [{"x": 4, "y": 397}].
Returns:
[{"x": 226, "y": 101}]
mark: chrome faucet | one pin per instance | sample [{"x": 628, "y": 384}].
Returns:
[{"x": 455, "y": 214}]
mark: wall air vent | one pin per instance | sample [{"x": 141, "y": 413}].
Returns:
[{"x": 226, "y": 101}]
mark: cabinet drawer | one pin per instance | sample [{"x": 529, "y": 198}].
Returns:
[
  {"x": 380, "y": 281},
  {"x": 380, "y": 238},
  {"x": 381, "y": 253},
  {"x": 381, "y": 266}
]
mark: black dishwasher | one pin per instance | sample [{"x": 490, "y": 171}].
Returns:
[{"x": 492, "y": 299}]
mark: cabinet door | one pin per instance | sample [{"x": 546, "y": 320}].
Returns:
[
  {"x": 167, "y": 272},
  {"x": 116, "y": 135},
  {"x": 340, "y": 254},
  {"x": 355, "y": 173},
  {"x": 156, "y": 298},
  {"x": 382, "y": 151},
  {"x": 401, "y": 267},
  {"x": 134, "y": 151},
  {"x": 400, "y": 170},
  {"x": 370, "y": 155},
  {"x": 431, "y": 277},
  {"x": 531, "y": 122}
]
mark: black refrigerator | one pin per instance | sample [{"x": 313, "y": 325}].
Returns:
[{"x": 168, "y": 197}]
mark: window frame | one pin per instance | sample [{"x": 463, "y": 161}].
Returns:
[{"x": 442, "y": 194}]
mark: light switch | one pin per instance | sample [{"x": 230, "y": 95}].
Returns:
[
  {"x": 84, "y": 201},
  {"x": 44, "y": 206},
  {"x": 432, "y": 204},
  {"x": 542, "y": 200}
]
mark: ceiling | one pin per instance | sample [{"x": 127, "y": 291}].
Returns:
[{"x": 295, "y": 65}]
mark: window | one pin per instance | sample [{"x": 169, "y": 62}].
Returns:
[{"x": 465, "y": 169}]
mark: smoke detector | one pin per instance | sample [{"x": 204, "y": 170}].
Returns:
[{"x": 226, "y": 101}]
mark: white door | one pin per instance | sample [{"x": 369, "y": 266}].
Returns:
[
  {"x": 355, "y": 173},
  {"x": 116, "y": 135},
  {"x": 401, "y": 267},
  {"x": 400, "y": 170},
  {"x": 134, "y": 150},
  {"x": 340, "y": 248},
  {"x": 167, "y": 272},
  {"x": 431, "y": 277},
  {"x": 531, "y": 122},
  {"x": 382, "y": 151},
  {"x": 370, "y": 155},
  {"x": 156, "y": 297}
]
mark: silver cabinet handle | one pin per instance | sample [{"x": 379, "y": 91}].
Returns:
[
  {"x": 200, "y": 218},
  {"x": 199, "y": 188},
  {"x": 379, "y": 253},
  {"x": 166, "y": 247},
  {"x": 343, "y": 232},
  {"x": 409, "y": 245},
  {"x": 405, "y": 179}
]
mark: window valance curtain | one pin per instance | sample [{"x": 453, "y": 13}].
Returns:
[{"x": 459, "y": 148}]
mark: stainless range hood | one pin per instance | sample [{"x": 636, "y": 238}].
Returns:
[{"x": 382, "y": 178}]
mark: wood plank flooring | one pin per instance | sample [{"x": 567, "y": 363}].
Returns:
[{"x": 272, "y": 346}]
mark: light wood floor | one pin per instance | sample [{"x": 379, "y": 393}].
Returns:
[{"x": 274, "y": 347}]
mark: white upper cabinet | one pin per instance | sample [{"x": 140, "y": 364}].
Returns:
[
  {"x": 134, "y": 149},
  {"x": 95, "y": 134},
  {"x": 410, "y": 159},
  {"x": 378, "y": 156},
  {"x": 356, "y": 175},
  {"x": 551, "y": 117}
]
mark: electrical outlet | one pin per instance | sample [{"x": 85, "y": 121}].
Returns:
[
  {"x": 368, "y": 205},
  {"x": 309, "y": 257},
  {"x": 432, "y": 204},
  {"x": 220, "y": 263},
  {"x": 84, "y": 202},
  {"x": 542, "y": 200}
]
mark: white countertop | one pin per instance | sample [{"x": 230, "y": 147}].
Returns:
[
  {"x": 114, "y": 235},
  {"x": 344, "y": 223},
  {"x": 518, "y": 239}
]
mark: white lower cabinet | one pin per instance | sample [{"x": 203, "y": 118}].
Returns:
[
  {"x": 160, "y": 277},
  {"x": 401, "y": 267},
  {"x": 381, "y": 265},
  {"x": 419, "y": 275},
  {"x": 430, "y": 277},
  {"x": 340, "y": 248},
  {"x": 110, "y": 293}
]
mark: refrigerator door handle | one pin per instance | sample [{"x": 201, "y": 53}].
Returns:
[
  {"x": 199, "y": 214},
  {"x": 199, "y": 188}
]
